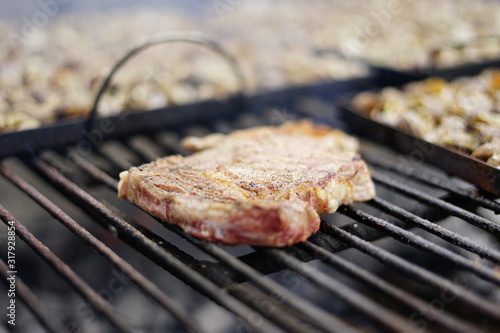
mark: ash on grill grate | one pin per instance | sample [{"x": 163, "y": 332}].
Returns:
[{"x": 430, "y": 277}]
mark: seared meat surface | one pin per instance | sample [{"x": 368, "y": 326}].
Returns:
[{"x": 261, "y": 186}]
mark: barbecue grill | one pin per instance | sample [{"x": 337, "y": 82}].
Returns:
[{"x": 422, "y": 256}]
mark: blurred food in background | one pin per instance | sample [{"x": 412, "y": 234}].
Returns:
[
  {"x": 463, "y": 114},
  {"x": 54, "y": 74}
]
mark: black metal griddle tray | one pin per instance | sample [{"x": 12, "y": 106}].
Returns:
[{"x": 450, "y": 160}]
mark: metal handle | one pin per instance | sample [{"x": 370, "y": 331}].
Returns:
[{"x": 190, "y": 37}]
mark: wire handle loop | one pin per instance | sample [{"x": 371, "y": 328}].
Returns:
[{"x": 189, "y": 37}]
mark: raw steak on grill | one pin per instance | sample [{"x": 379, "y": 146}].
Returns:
[{"x": 260, "y": 186}]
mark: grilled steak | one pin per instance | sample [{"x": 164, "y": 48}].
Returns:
[{"x": 261, "y": 186}]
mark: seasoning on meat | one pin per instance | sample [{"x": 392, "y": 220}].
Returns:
[{"x": 261, "y": 186}]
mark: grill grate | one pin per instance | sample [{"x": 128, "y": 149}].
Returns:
[
  {"x": 246, "y": 284},
  {"x": 92, "y": 241},
  {"x": 474, "y": 219}
]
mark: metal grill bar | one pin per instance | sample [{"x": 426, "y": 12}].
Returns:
[
  {"x": 472, "y": 218},
  {"x": 120, "y": 162},
  {"x": 291, "y": 324},
  {"x": 147, "y": 246},
  {"x": 412, "y": 302},
  {"x": 486, "y": 308},
  {"x": 284, "y": 317},
  {"x": 146, "y": 285},
  {"x": 92, "y": 170},
  {"x": 319, "y": 317},
  {"x": 430, "y": 180},
  {"x": 405, "y": 236},
  {"x": 67, "y": 273},
  {"x": 142, "y": 145},
  {"x": 286, "y": 321},
  {"x": 33, "y": 302},
  {"x": 437, "y": 230},
  {"x": 389, "y": 319}
]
